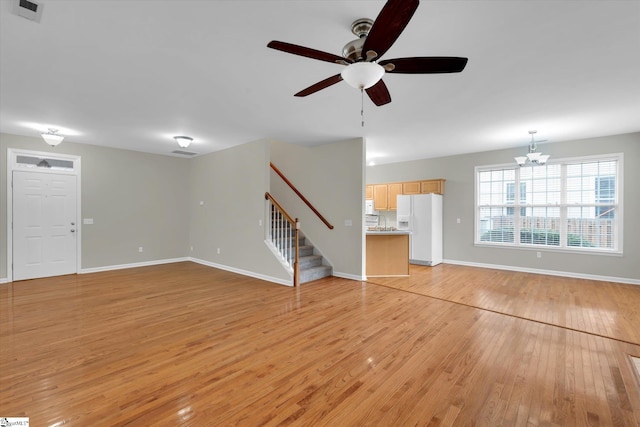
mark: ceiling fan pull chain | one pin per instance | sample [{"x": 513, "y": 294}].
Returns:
[{"x": 362, "y": 105}]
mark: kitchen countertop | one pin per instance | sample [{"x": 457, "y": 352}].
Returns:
[{"x": 388, "y": 232}]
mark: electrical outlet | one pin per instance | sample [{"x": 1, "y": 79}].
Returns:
[
  {"x": 191, "y": 248},
  {"x": 539, "y": 254},
  {"x": 218, "y": 251},
  {"x": 140, "y": 249}
]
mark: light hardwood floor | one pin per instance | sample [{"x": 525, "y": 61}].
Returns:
[{"x": 185, "y": 344}]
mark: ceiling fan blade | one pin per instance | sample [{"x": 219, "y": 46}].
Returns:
[
  {"x": 391, "y": 21},
  {"x": 305, "y": 51},
  {"x": 425, "y": 65},
  {"x": 379, "y": 93},
  {"x": 320, "y": 85}
]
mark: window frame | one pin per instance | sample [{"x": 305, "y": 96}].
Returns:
[{"x": 563, "y": 206}]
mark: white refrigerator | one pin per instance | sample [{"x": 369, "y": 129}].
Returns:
[{"x": 421, "y": 214}]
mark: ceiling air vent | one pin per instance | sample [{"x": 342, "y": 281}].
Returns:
[
  {"x": 184, "y": 153},
  {"x": 27, "y": 9}
]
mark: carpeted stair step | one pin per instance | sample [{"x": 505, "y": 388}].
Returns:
[
  {"x": 305, "y": 250},
  {"x": 315, "y": 273},
  {"x": 309, "y": 261}
]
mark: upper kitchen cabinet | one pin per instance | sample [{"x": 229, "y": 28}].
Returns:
[
  {"x": 393, "y": 190},
  {"x": 411, "y": 187},
  {"x": 380, "y": 196},
  {"x": 385, "y": 196},
  {"x": 432, "y": 186}
]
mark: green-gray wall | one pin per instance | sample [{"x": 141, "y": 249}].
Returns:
[
  {"x": 226, "y": 205},
  {"x": 138, "y": 199},
  {"x": 331, "y": 177},
  {"x": 459, "y": 203},
  {"x": 135, "y": 199},
  {"x": 179, "y": 209}
]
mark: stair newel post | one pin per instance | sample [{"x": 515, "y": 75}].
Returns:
[{"x": 296, "y": 263}]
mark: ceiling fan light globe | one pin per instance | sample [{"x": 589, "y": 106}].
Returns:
[{"x": 362, "y": 75}]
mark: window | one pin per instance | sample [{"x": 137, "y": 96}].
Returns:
[
  {"x": 573, "y": 204},
  {"x": 605, "y": 192},
  {"x": 511, "y": 196}
]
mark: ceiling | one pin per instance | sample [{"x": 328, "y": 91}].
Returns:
[{"x": 132, "y": 74}]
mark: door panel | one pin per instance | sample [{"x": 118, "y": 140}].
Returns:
[{"x": 44, "y": 215}]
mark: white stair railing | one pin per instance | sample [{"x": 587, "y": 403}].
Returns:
[{"x": 283, "y": 235}]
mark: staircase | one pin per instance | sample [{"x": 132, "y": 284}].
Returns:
[
  {"x": 312, "y": 265},
  {"x": 281, "y": 238}
]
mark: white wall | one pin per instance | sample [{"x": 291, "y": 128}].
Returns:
[{"x": 459, "y": 203}]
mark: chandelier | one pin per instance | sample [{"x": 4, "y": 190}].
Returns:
[{"x": 533, "y": 157}]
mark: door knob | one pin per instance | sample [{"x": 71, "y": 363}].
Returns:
[
  {"x": 73, "y": 231},
  {"x": 73, "y": 223}
]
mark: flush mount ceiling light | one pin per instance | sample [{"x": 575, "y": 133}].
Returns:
[
  {"x": 183, "y": 141},
  {"x": 533, "y": 157},
  {"x": 52, "y": 137}
]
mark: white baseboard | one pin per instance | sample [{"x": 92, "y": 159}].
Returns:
[
  {"x": 350, "y": 276},
  {"x": 243, "y": 272},
  {"x": 4, "y": 280},
  {"x": 548, "y": 272},
  {"x": 132, "y": 265},
  {"x": 196, "y": 260}
]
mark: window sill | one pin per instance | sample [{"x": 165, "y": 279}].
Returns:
[{"x": 535, "y": 248}]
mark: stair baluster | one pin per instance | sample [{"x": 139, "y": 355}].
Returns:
[{"x": 283, "y": 234}]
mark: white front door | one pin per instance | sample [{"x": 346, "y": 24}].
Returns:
[{"x": 44, "y": 225}]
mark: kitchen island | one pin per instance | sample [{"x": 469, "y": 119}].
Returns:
[{"x": 387, "y": 253}]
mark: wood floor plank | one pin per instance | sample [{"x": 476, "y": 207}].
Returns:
[
  {"x": 185, "y": 344},
  {"x": 602, "y": 308}
]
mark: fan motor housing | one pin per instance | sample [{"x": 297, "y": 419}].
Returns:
[{"x": 353, "y": 49}]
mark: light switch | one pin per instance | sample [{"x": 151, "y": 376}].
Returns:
[
  {"x": 348, "y": 223},
  {"x": 87, "y": 221}
]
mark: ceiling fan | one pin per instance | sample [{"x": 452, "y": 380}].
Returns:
[{"x": 361, "y": 56}]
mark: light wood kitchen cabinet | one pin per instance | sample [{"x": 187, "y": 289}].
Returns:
[
  {"x": 392, "y": 200},
  {"x": 380, "y": 194},
  {"x": 411, "y": 187},
  {"x": 432, "y": 186},
  {"x": 387, "y": 254},
  {"x": 385, "y": 196}
]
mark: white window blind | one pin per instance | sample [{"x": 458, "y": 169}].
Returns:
[{"x": 574, "y": 204}]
